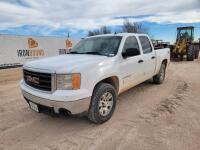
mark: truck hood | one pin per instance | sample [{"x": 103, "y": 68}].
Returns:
[{"x": 66, "y": 63}]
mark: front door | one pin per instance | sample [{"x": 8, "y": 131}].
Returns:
[{"x": 130, "y": 68}]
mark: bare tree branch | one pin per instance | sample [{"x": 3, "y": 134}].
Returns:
[
  {"x": 131, "y": 27},
  {"x": 105, "y": 30},
  {"x": 102, "y": 30}
]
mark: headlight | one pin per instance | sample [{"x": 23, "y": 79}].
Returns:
[{"x": 69, "y": 81}]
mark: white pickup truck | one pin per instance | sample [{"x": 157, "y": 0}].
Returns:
[{"x": 89, "y": 79}]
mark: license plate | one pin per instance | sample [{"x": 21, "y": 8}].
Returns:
[{"x": 34, "y": 106}]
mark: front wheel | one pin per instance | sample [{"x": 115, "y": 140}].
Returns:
[
  {"x": 103, "y": 103},
  {"x": 190, "y": 53},
  {"x": 160, "y": 77}
]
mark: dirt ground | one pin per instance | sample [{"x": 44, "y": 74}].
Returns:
[{"x": 147, "y": 117}]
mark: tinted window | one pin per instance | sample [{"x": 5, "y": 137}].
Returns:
[
  {"x": 146, "y": 45},
  {"x": 131, "y": 42}
]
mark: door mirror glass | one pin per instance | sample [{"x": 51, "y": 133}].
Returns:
[{"x": 130, "y": 52}]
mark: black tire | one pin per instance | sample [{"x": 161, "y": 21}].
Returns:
[
  {"x": 197, "y": 55},
  {"x": 94, "y": 113},
  {"x": 197, "y": 52},
  {"x": 190, "y": 53},
  {"x": 160, "y": 77}
]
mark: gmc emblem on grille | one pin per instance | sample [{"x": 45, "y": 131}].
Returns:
[{"x": 33, "y": 79}]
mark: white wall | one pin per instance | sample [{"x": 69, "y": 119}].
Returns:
[{"x": 17, "y": 49}]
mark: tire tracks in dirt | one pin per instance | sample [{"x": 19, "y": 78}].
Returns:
[{"x": 169, "y": 105}]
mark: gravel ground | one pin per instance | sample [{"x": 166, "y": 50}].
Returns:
[{"x": 147, "y": 117}]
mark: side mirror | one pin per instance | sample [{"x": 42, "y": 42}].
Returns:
[{"x": 130, "y": 52}]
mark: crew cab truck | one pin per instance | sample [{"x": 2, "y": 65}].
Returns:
[{"x": 89, "y": 79}]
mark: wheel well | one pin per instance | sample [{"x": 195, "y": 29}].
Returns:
[
  {"x": 165, "y": 61},
  {"x": 114, "y": 81}
]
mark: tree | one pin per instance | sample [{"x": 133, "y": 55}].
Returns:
[
  {"x": 132, "y": 27},
  {"x": 94, "y": 32},
  {"x": 105, "y": 30},
  {"x": 102, "y": 30}
]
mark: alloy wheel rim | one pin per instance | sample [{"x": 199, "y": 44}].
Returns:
[{"x": 105, "y": 104}]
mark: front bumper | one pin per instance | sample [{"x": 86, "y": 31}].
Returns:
[
  {"x": 74, "y": 107},
  {"x": 74, "y": 102}
]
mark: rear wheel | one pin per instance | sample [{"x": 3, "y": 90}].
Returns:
[
  {"x": 160, "y": 77},
  {"x": 190, "y": 53},
  {"x": 197, "y": 55},
  {"x": 197, "y": 48},
  {"x": 103, "y": 103}
]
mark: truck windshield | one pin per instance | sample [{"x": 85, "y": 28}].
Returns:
[{"x": 104, "y": 45}]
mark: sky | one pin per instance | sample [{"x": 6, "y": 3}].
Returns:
[{"x": 58, "y": 17}]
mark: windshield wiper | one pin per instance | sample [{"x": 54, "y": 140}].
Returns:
[
  {"x": 91, "y": 53},
  {"x": 95, "y": 53},
  {"x": 74, "y": 52}
]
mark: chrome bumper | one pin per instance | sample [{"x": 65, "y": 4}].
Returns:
[{"x": 74, "y": 107}]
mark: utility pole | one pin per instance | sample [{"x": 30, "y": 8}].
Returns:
[{"x": 68, "y": 34}]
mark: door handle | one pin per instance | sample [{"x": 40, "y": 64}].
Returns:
[
  {"x": 141, "y": 61},
  {"x": 153, "y": 57}
]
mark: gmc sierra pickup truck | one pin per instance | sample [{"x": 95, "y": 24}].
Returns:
[{"x": 89, "y": 79}]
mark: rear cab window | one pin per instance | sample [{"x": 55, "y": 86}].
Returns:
[{"x": 146, "y": 45}]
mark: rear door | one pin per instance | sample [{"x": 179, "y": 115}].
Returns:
[
  {"x": 130, "y": 69},
  {"x": 149, "y": 57}
]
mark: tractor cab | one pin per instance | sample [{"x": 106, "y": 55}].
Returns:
[{"x": 185, "y": 33}]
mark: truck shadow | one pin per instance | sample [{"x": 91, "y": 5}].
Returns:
[
  {"x": 138, "y": 88},
  {"x": 76, "y": 121}
]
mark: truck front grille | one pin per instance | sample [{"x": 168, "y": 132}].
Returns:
[{"x": 37, "y": 80}]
